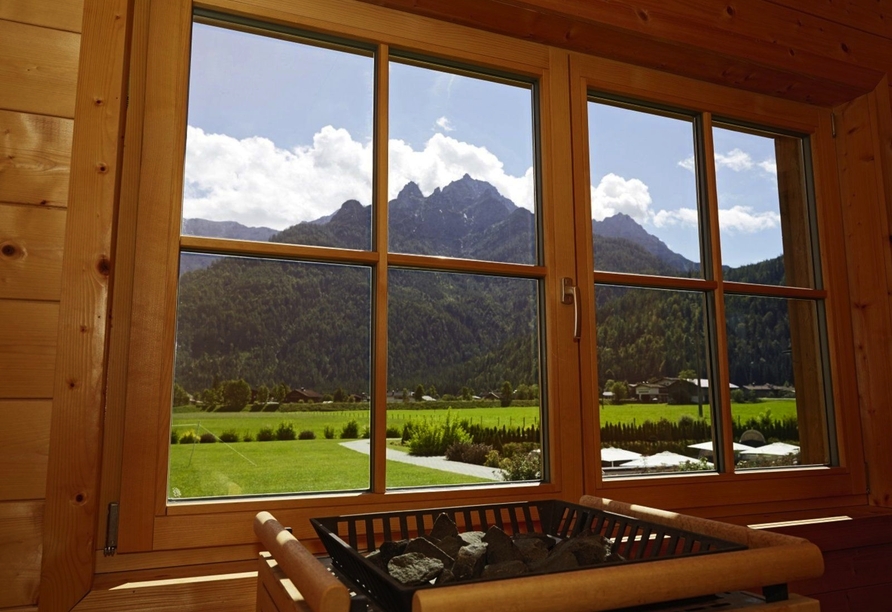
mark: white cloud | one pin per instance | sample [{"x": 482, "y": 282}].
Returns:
[
  {"x": 769, "y": 166},
  {"x": 614, "y": 194},
  {"x": 735, "y": 220},
  {"x": 742, "y": 220},
  {"x": 683, "y": 216},
  {"x": 736, "y": 160},
  {"x": 687, "y": 163},
  {"x": 256, "y": 183},
  {"x": 444, "y": 124}
]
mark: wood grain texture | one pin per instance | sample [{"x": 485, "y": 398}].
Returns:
[
  {"x": 79, "y": 384},
  {"x": 35, "y": 152},
  {"x": 321, "y": 590},
  {"x": 873, "y": 16},
  {"x": 665, "y": 36},
  {"x": 159, "y": 191},
  {"x": 57, "y": 14},
  {"x": 20, "y": 549},
  {"x": 27, "y": 348},
  {"x": 39, "y": 69},
  {"x": 24, "y": 448},
  {"x": 222, "y": 595},
  {"x": 866, "y": 223},
  {"x": 31, "y": 252}
]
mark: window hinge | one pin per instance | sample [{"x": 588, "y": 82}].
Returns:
[
  {"x": 111, "y": 530},
  {"x": 833, "y": 124}
]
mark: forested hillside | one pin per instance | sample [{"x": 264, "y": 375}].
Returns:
[{"x": 307, "y": 324}]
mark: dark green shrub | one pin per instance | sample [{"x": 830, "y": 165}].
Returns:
[
  {"x": 230, "y": 435},
  {"x": 174, "y": 436},
  {"x": 266, "y": 434},
  {"x": 207, "y": 438},
  {"x": 430, "y": 440},
  {"x": 366, "y": 433},
  {"x": 393, "y": 432},
  {"x": 188, "y": 438},
  {"x": 328, "y": 432},
  {"x": 492, "y": 459},
  {"x": 307, "y": 434},
  {"x": 285, "y": 431},
  {"x": 467, "y": 452},
  {"x": 350, "y": 430},
  {"x": 522, "y": 467},
  {"x": 513, "y": 449},
  {"x": 248, "y": 437}
]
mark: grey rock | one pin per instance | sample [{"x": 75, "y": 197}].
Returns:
[
  {"x": 499, "y": 547},
  {"x": 472, "y": 537},
  {"x": 443, "y": 527},
  {"x": 505, "y": 569},
  {"x": 470, "y": 561},
  {"x": 414, "y": 568},
  {"x": 429, "y": 549},
  {"x": 451, "y": 545}
]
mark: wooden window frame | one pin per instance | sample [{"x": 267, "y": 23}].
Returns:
[
  {"x": 134, "y": 471},
  {"x": 157, "y": 128},
  {"x": 713, "y": 494}
]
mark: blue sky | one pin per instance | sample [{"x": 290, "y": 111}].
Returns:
[{"x": 280, "y": 132}]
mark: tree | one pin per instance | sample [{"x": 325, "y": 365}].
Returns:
[
  {"x": 507, "y": 394},
  {"x": 419, "y": 393},
  {"x": 236, "y": 394},
  {"x": 279, "y": 392},
  {"x": 620, "y": 391},
  {"x": 339, "y": 395},
  {"x": 523, "y": 392},
  {"x": 180, "y": 397},
  {"x": 688, "y": 375},
  {"x": 466, "y": 393},
  {"x": 432, "y": 391},
  {"x": 262, "y": 394},
  {"x": 211, "y": 398},
  {"x": 405, "y": 395}
]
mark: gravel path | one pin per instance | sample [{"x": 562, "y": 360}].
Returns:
[{"x": 436, "y": 463}]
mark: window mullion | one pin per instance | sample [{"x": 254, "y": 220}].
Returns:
[
  {"x": 721, "y": 391},
  {"x": 378, "y": 405}
]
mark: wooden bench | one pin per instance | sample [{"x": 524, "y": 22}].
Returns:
[{"x": 289, "y": 578}]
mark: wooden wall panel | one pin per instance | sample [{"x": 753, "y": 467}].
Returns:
[
  {"x": 874, "y": 16},
  {"x": 24, "y": 448},
  {"x": 230, "y": 594},
  {"x": 80, "y": 379},
  {"x": 57, "y": 14},
  {"x": 27, "y": 348},
  {"x": 31, "y": 252},
  {"x": 866, "y": 227},
  {"x": 20, "y": 549},
  {"x": 38, "y": 73},
  {"x": 35, "y": 156}
]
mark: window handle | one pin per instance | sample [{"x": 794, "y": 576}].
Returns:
[{"x": 569, "y": 296}]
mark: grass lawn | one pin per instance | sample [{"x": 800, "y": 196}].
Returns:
[
  {"x": 251, "y": 422},
  {"x": 252, "y": 468}
]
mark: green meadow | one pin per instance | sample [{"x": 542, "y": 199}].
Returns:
[{"x": 281, "y": 467}]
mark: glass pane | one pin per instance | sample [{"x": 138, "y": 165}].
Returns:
[
  {"x": 461, "y": 168},
  {"x": 279, "y": 141},
  {"x": 653, "y": 380},
  {"x": 644, "y": 192},
  {"x": 271, "y": 379},
  {"x": 778, "y": 402},
  {"x": 763, "y": 209},
  {"x": 464, "y": 397}
]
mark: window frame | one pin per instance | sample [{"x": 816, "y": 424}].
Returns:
[
  {"x": 149, "y": 220},
  {"x": 148, "y": 522},
  {"x": 715, "y": 494}
]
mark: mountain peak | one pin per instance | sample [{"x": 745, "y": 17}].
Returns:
[
  {"x": 623, "y": 226},
  {"x": 410, "y": 191}
]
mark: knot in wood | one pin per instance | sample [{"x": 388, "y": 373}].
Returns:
[
  {"x": 102, "y": 167},
  {"x": 103, "y": 266},
  {"x": 9, "y": 250}
]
